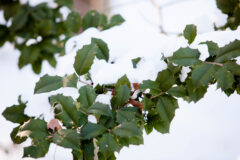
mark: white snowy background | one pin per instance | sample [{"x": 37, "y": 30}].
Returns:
[{"x": 208, "y": 130}]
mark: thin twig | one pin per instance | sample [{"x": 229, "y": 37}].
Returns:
[
  {"x": 158, "y": 95},
  {"x": 214, "y": 63}
]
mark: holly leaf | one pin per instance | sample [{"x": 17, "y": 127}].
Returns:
[
  {"x": 36, "y": 129},
  {"x": 91, "y": 19},
  {"x": 227, "y": 6},
  {"x": 48, "y": 83},
  {"x": 100, "y": 109},
  {"x": 123, "y": 81},
  {"x": 127, "y": 129},
  {"x": 125, "y": 116},
  {"x": 165, "y": 109},
  {"x": 87, "y": 96},
  {"x": 116, "y": 20},
  {"x": 233, "y": 67},
  {"x": 51, "y": 83},
  {"x": 195, "y": 94},
  {"x": 179, "y": 91},
  {"x": 91, "y": 130},
  {"x": 38, "y": 149},
  {"x": 212, "y": 47},
  {"x": 190, "y": 33},
  {"x": 165, "y": 80},
  {"x": 203, "y": 73},
  {"x": 88, "y": 149},
  {"x": 73, "y": 22},
  {"x": 232, "y": 50},
  {"x": 15, "y": 113},
  {"x": 108, "y": 145},
  {"x": 67, "y": 138},
  {"x": 121, "y": 97},
  {"x": 152, "y": 85},
  {"x": 84, "y": 59},
  {"x": 20, "y": 19},
  {"x": 16, "y": 139},
  {"x": 102, "y": 50},
  {"x": 70, "y": 81},
  {"x": 65, "y": 110},
  {"x": 224, "y": 79},
  {"x": 186, "y": 56},
  {"x": 135, "y": 61}
]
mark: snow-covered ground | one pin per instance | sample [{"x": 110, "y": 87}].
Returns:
[{"x": 206, "y": 130}]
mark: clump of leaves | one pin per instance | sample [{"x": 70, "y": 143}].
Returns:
[
  {"x": 122, "y": 122},
  {"x": 232, "y": 9},
  {"x": 39, "y": 32}
]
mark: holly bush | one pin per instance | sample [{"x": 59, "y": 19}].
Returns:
[
  {"x": 40, "y": 32},
  {"x": 122, "y": 122},
  {"x": 232, "y": 9}
]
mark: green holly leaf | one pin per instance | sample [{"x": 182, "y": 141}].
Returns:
[
  {"x": 186, "y": 56},
  {"x": 116, "y": 20},
  {"x": 84, "y": 58},
  {"x": 148, "y": 128},
  {"x": 73, "y": 22},
  {"x": 179, "y": 91},
  {"x": 88, "y": 149},
  {"x": 38, "y": 149},
  {"x": 190, "y": 33},
  {"x": 203, "y": 73},
  {"x": 77, "y": 154},
  {"x": 165, "y": 108},
  {"x": 123, "y": 81},
  {"x": 100, "y": 109},
  {"x": 224, "y": 79},
  {"x": 91, "y": 130},
  {"x": 135, "y": 61},
  {"x": 91, "y": 19},
  {"x": 34, "y": 128},
  {"x": 102, "y": 50},
  {"x": 233, "y": 67},
  {"x": 15, "y": 113},
  {"x": 232, "y": 50},
  {"x": 227, "y": 6},
  {"x": 16, "y": 139},
  {"x": 212, "y": 47},
  {"x": 147, "y": 103},
  {"x": 195, "y": 94},
  {"x": 20, "y": 19},
  {"x": 48, "y": 83},
  {"x": 65, "y": 110},
  {"x": 125, "y": 116},
  {"x": 70, "y": 81},
  {"x": 87, "y": 96},
  {"x": 165, "y": 79},
  {"x": 121, "y": 97},
  {"x": 152, "y": 85},
  {"x": 51, "y": 83},
  {"x": 127, "y": 129},
  {"x": 108, "y": 145},
  {"x": 67, "y": 138}
]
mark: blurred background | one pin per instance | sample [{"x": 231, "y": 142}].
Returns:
[{"x": 207, "y": 130}]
